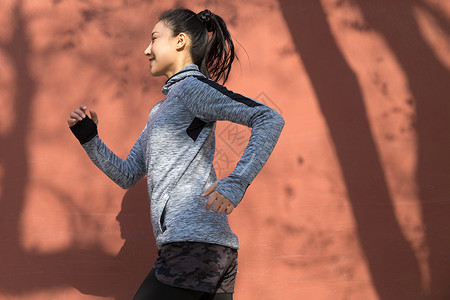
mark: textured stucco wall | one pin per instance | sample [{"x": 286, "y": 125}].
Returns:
[{"x": 352, "y": 204}]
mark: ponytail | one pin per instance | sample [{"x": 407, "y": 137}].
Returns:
[
  {"x": 220, "y": 51},
  {"x": 213, "y": 54}
]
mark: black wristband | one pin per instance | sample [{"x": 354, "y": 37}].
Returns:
[{"x": 85, "y": 130}]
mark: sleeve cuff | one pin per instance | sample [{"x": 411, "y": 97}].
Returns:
[
  {"x": 232, "y": 188},
  {"x": 85, "y": 130}
]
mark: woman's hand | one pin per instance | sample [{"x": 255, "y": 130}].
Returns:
[
  {"x": 222, "y": 204},
  {"x": 79, "y": 114}
]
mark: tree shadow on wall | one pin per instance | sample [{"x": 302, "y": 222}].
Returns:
[
  {"x": 429, "y": 82},
  {"x": 91, "y": 270},
  {"x": 390, "y": 258}
]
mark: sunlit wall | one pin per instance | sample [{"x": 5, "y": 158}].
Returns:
[{"x": 353, "y": 203}]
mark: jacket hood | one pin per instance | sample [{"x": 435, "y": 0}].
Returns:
[{"x": 189, "y": 70}]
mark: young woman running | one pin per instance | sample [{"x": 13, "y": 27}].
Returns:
[{"x": 197, "y": 257}]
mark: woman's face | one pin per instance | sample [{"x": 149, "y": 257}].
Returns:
[{"x": 162, "y": 51}]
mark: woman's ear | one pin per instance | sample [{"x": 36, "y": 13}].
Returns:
[{"x": 181, "y": 41}]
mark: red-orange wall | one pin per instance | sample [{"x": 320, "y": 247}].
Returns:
[{"x": 353, "y": 203}]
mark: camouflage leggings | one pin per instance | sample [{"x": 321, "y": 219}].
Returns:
[{"x": 197, "y": 270}]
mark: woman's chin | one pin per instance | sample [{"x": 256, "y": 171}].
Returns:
[{"x": 155, "y": 73}]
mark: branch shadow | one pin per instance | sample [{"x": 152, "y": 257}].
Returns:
[
  {"x": 390, "y": 258},
  {"x": 13, "y": 150},
  {"x": 429, "y": 83}
]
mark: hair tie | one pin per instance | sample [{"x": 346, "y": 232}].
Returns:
[{"x": 206, "y": 17}]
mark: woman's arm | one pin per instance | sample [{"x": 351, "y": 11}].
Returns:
[
  {"x": 210, "y": 101},
  {"x": 126, "y": 173}
]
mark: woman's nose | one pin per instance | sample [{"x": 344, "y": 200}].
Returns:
[{"x": 147, "y": 51}]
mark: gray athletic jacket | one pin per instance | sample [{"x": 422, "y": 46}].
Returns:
[{"x": 176, "y": 150}]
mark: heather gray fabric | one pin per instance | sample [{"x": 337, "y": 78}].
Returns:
[{"x": 176, "y": 150}]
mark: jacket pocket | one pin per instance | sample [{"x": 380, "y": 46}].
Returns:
[{"x": 162, "y": 215}]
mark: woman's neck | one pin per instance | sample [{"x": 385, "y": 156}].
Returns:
[{"x": 181, "y": 62}]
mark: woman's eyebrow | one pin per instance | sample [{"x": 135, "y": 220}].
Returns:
[{"x": 154, "y": 32}]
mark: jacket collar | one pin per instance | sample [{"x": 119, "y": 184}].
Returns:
[{"x": 189, "y": 70}]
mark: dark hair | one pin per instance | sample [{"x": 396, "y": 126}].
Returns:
[{"x": 212, "y": 54}]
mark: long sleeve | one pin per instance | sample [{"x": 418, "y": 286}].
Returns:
[
  {"x": 126, "y": 173},
  {"x": 209, "y": 102}
]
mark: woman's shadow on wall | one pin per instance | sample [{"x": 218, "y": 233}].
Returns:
[
  {"x": 92, "y": 271},
  {"x": 121, "y": 275}
]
